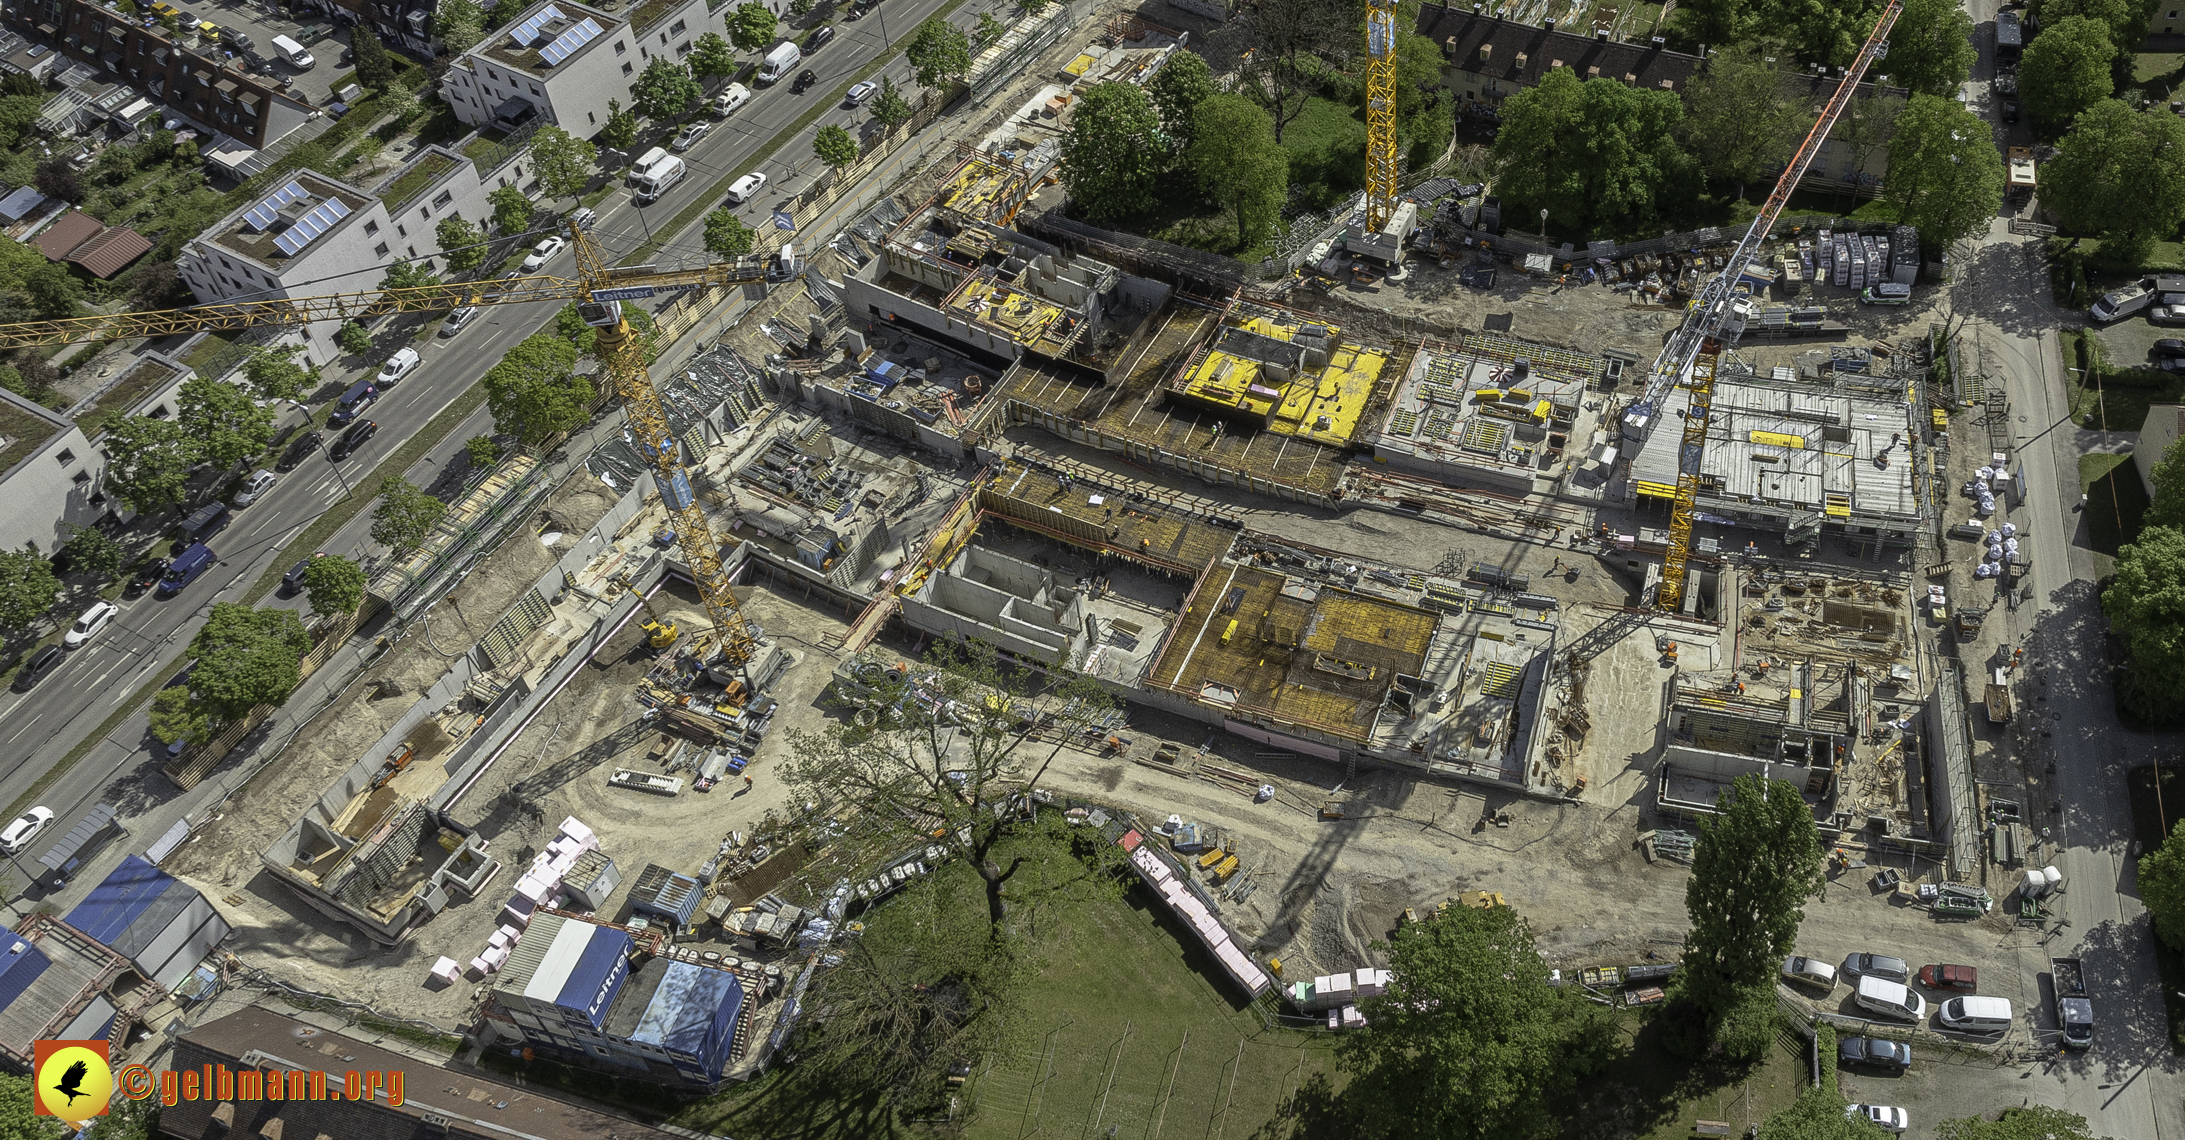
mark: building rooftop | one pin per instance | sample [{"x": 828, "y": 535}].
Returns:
[
  {"x": 1468, "y": 404},
  {"x": 546, "y": 35},
  {"x": 297, "y": 216},
  {"x": 424, "y": 169},
  {"x": 1283, "y": 371},
  {"x": 24, "y": 427},
  {"x": 1101, "y": 519},
  {"x": 53, "y": 984}
]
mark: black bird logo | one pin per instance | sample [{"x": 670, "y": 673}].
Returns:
[{"x": 72, "y": 1081}]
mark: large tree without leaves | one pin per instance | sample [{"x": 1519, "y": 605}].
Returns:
[
  {"x": 1600, "y": 157},
  {"x": 953, "y": 743},
  {"x": 1240, "y": 164},
  {"x": 533, "y": 392},
  {"x": 2145, "y": 604},
  {"x": 1755, "y": 866},
  {"x": 247, "y": 657},
  {"x": 1736, "y": 118},
  {"x": 1945, "y": 175},
  {"x": 1469, "y": 1041},
  {"x": 1111, "y": 153},
  {"x": 939, "y": 53},
  {"x": 2066, "y": 69},
  {"x": 2120, "y": 175}
]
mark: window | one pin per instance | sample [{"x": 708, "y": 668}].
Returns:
[
  {"x": 676, "y": 29},
  {"x": 66, "y": 457},
  {"x": 621, "y": 48},
  {"x": 413, "y": 253},
  {"x": 682, "y": 49},
  {"x": 423, "y": 215},
  {"x": 380, "y": 250},
  {"x": 663, "y": 37},
  {"x": 371, "y": 228},
  {"x": 80, "y": 478},
  {"x": 626, "y": 69},
  {"x": 535, "y": 89},
  {"x": 642, "y": 53},
  {"x": 445, "y": 197},
  {"x": 400, "y": 230},
  {"x": 590, "y": 117}
]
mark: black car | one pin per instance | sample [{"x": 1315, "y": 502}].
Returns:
[
  {"x": 857, "y": 12},
  {"x": 292, "y": 582},
  {"x": 353, "y": 439},
  {"x": 2010, "y": 110},
  {"x": 305, "y": 444},
  {"x": 36, "y": 668},
  {"x": 2169, "y": 346},
  {"x": 1874, "y": 1053},
  {"x": 145, "y": 578},
  {"x": 804, "y": 83},
  {"x": 1881, "y": 966},
  {"x": 819, "y": 37},
  {"x": 238, "y": 39}
]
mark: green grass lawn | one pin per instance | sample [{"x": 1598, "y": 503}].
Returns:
[
  {"x": 2115, "y": 500},
  {"x": 1651, "y": 1094},
  {"x": 2157, "y": 74}
]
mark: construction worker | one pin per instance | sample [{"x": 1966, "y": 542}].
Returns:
[{"x": 747, "y": 781}]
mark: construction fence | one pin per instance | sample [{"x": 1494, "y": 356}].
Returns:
[{"x": 201, "y": 757}]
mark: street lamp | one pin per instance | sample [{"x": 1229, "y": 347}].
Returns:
[{"x": 1543, "y": 225}]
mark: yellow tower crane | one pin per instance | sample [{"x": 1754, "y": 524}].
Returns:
[
  {"x": 598, "y": 289},
  {"x": 1381, "y": 162},
  {"x": 1714, "y": 321}
]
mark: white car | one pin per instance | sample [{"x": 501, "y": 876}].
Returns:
[
  {"x": 402, "y": 363},
  {"x": 861, "y": 92},
  {"x": 88, "y": 626},
  {"x": 690, "y": 136},
  {"x": 542, "y": 251},
  {"x": 23, "y": 830},
  {"x": 254, "y": 488},
  {"x": 746, "y": 188},
  {"x": 1889, "y": 1118}
]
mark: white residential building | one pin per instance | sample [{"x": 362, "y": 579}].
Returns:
[
  {"x": 49, "y": 475},
  {"x": 562, "y": 61},
  {"x": 434, "y": 183}
]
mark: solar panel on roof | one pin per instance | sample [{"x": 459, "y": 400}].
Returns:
[
  {"x": 310, "y": 226},
  {"x": 527, "y": 32},
  {"x": 568, "y": 42},
  {"x": 262, "y": 216}
]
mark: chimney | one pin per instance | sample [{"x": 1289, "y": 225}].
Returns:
[
  {"x": 1548, "y": 23},
  {"x": 1600, "y": 35}
]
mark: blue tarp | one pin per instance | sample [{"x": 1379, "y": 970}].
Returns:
[
  {"x": 692, "y": 1014},
  {"x": 107, "y": 912},
  {"x": 20, "y": 968}
]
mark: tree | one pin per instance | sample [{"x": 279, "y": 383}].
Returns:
[
  {"x": 751, "y": 27},
  {"x": 353, "y": 339},
  {"x": 1818, "y": 1114},
  {"x": 621, "y": 128},
  {"x": 1469, "y": 1040},
  {"x": 374, "y": 69},
  {"x": 93, "y": 552},
  {"x": 953, "y": 745},
  {"x": 562, "y": 161},
  {"x": 16, "y": 1121},
  {"x": 273, "y": 372},
  {"x": 2065, "y": 70},
  {"x": 1177, "y": 89},
  {"x": 1945, "y": 175},
  {"x": 246, "y": 658},
  {"x": 463, "y": 244},
  {"x": 727, "y": 235},
  {"x": 156, "y": 285},
  {"x": 2036, "y": 1122},
  {"x": 1719, "y": 21},
  {"x": 1240, "y": 164},
  {"x": 2119, "y": 174},
  {"x": 664, "y": 89},
  {"x": 399, "y": 103},
  {"x": 481, "y": 451},
  {"x": 177, "y": 715},
  {"x": 989, "y": 32},
  {"x": 27, "y": 587},
  {"x": 2168, "y": 480},
  {"x": 406, "y": 515},
  {"x": 534, "y": 393},
  {"x": 569, "y": 325},
  {"x": 412, "y": 275},
  {"x": 30, "y": 375},
  {"x": 512, "y": 209},
  {"x": 1930, "y": 48},
  {"x": 1867, "y": 124},
  {"x": 834, "y": 146},
  {"x": 52, "y": 290},
  {"x": 150, "y": 461},
  {"x": 336, "y": 585},
  {"x": 1111, "y": 152},
  {"x": 938, "y": 53},
  {"x": 460, "y": 24},
  {"x": 1755, "y": 865},
  {"x": 1600, "y": 157},
  {"x": 2145, "y": 604},
  {"x": 2126, "y": 20},
  {"x": 57, "y": 179},
  {"x": 1290, "y": 39},
  {"x": 712, "y": 58},
  {"x": 800, "y": 8},
  {"x": 889, "y": 108},
  {"x": 225, "y": 426},
  {"x": 1736, "y": 119}
]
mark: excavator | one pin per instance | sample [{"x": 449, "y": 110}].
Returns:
[{"x": 598, "y": 290}]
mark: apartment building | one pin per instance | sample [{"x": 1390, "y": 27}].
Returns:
[
  {"x": 561, "y": 62},
  {"x": 49, "y": 476}
]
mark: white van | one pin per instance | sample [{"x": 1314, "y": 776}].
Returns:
[
  {"x": 293, "y": 52},
  {"x": 736, "y": 96},
  {"x": 778, "y": 62},
  {"x": 1891, "y": 999},
  {"x": 1977, "y": 1014},
  {"x": 645, "y": 163},
  {"x": 658, "y": 177}
]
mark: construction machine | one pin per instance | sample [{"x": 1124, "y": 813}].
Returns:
[
  {"x": 598, "y": 290},
  {"x": 660, "y": 632}
]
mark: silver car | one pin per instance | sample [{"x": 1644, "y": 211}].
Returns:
[{"x": 1809, "y": 971}]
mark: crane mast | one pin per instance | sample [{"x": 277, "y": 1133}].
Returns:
[
  {"x": 1694, "y": 350},
  {"x": 1381, "y": 161}
]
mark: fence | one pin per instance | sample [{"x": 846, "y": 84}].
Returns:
[{"x": 458, "y": 544}]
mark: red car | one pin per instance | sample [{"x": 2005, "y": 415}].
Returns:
[{"x": 1965, "y": 978}]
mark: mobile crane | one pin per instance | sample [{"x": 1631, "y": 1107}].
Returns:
[
  {"x": 1714, "y": 320},
  {"x": 598, "y": 289}
]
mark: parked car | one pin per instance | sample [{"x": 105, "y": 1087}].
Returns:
[
  {"x": 305, "y": 444},
  {"x": 1874, "y": 1053},
  {"x": 458, "y": 320},
  {"x": 819, "y": 37},
  {"x": 2123, "y": 302},
  {"x": 1939, "y": 977},
  {"x": 353, "y": 439},
  {"x": 1809, "y": 971},
  {"x": 2010, "y": 110},
  {"x": 1891, "y": 1119},
  {"x": 746, "y": 188},
  {"x": 860, "y": 93},
  {"x": 690, "y": 136},
  {"x": 1881, "y": 966},
  {"x": 254, "y": 488},
  {"x": 583, "y": 217},
  {"x": 35, "y": 669},
  {"x": 805, "y": 82},
  {"x": 145, "y": 578},
  {"x": 89, "y": 624},
  {"x": 1891, "y": 999},
  {"x": 237, "y": 39},
  {"x": 402, "y": 363},
  {"x": 25, "y": 828},
  {"x": 361, "y": 395},
  {"x": 540, "y": 252},
  {"x": 2168, "y": 309},
  {"x": 185, "y": 569}
]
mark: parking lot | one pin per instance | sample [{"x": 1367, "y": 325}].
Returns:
[{"x": 262, "y": 21}]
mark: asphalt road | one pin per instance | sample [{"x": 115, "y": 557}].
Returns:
[{"x": 37, "y": 729}]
